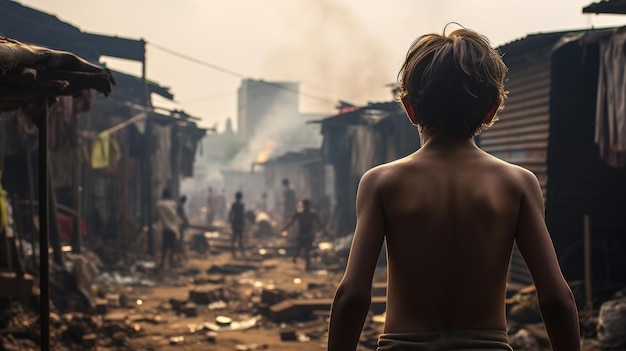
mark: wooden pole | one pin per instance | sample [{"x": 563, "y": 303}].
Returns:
[
  {"x": 588, "y": 277},
  {"x": 150, "y": 186},
  {"x": 44, "y": 265},
  {"x": 76, "y": 187}
]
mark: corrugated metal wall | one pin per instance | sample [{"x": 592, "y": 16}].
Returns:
[
  {"x": 520, "y": 136},
  {"x": 547, "y": 126}
]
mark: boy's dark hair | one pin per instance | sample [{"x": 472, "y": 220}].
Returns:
[
  {"x": 238, "y": 195},
  {"x": 452, "y": 82},
  {"x": 285, "y": 181},
  {"x": 183, "y": 199}
]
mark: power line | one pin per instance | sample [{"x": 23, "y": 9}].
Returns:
[
  {"x": 195, "y": 60},
  {"x": 208, "y": 97},
  {"x": 235, "y": 74}
]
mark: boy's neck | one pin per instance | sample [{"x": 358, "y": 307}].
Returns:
[{"x": 433, "y": 141}]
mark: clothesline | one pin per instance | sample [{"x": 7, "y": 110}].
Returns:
[{"x": 127, "y": 122}]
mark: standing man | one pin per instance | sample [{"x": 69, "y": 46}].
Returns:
[
  {"x": 307, "y": 218},
  {"x": 170, "y": 222},
  {"x": 236, "y": 217}
]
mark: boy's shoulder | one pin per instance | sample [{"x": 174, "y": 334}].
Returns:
[
  {"x": 513, "y": 171},
  {"x": 404, "y": 168},
  {"x": 383, "y": 173}
]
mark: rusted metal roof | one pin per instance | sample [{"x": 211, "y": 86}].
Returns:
[
  {"x": 358, "y": 114},
  {"x": 42, "y": 29},
  {"x": 39, "y": 28},
  {"x": 607, "y": 6}
]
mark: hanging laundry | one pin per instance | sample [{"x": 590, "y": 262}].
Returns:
[
  {"x": 105, "y": 151},
  {"x": 611, "y": 101}
]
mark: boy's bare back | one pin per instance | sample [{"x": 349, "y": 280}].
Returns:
[{"x": 450, "y": 214}]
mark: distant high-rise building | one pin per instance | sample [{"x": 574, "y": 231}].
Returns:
[
  {"x": 228, "y": 129},
  {"x": 259, "y": 99}
]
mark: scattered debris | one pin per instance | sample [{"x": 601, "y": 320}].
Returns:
[
  {"x": 223, "y": 323},
  {"x": 175, "y": 340},
  {"x": 141, "y": 307},
  {"x": 612, "y": 324}
]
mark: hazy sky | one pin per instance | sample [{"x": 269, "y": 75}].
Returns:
[{"x": 337, "y": 49}]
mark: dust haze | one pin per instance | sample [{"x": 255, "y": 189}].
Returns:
[{"x": 333, "y": 54}]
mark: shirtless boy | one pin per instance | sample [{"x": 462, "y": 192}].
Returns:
[{"x": 449, "y": 214}]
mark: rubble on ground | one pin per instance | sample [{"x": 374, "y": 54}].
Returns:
[{"x": 260, "y": 302}]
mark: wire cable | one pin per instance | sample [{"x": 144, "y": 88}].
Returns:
[{"x": 236, "y": 74}]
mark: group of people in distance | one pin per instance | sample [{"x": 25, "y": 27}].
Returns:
[
  {"x": 172, "y": 219},
  {"x": 307, "y": 218},
  {"x": 449, "y": 215}
]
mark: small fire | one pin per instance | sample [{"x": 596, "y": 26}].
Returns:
[{"x": 264, "y": 154}]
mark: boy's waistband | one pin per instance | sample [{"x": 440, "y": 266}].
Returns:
[{"x": 457, "y": 340}]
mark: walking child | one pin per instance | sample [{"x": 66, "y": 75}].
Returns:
[
  {"x": 449, "y": 215},
  {"x": 307, "y": 218}
]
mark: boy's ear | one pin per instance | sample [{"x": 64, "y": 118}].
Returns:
[
  {"x": 493, "y": 111},
  {"x": 410, "y": 111}
]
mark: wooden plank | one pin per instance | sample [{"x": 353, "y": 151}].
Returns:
[{"x": 294, "y": 309}]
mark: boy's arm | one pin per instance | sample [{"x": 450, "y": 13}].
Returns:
[
  {"x": 556, "y": 301},
  {"x": 353, "y": 296}
]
